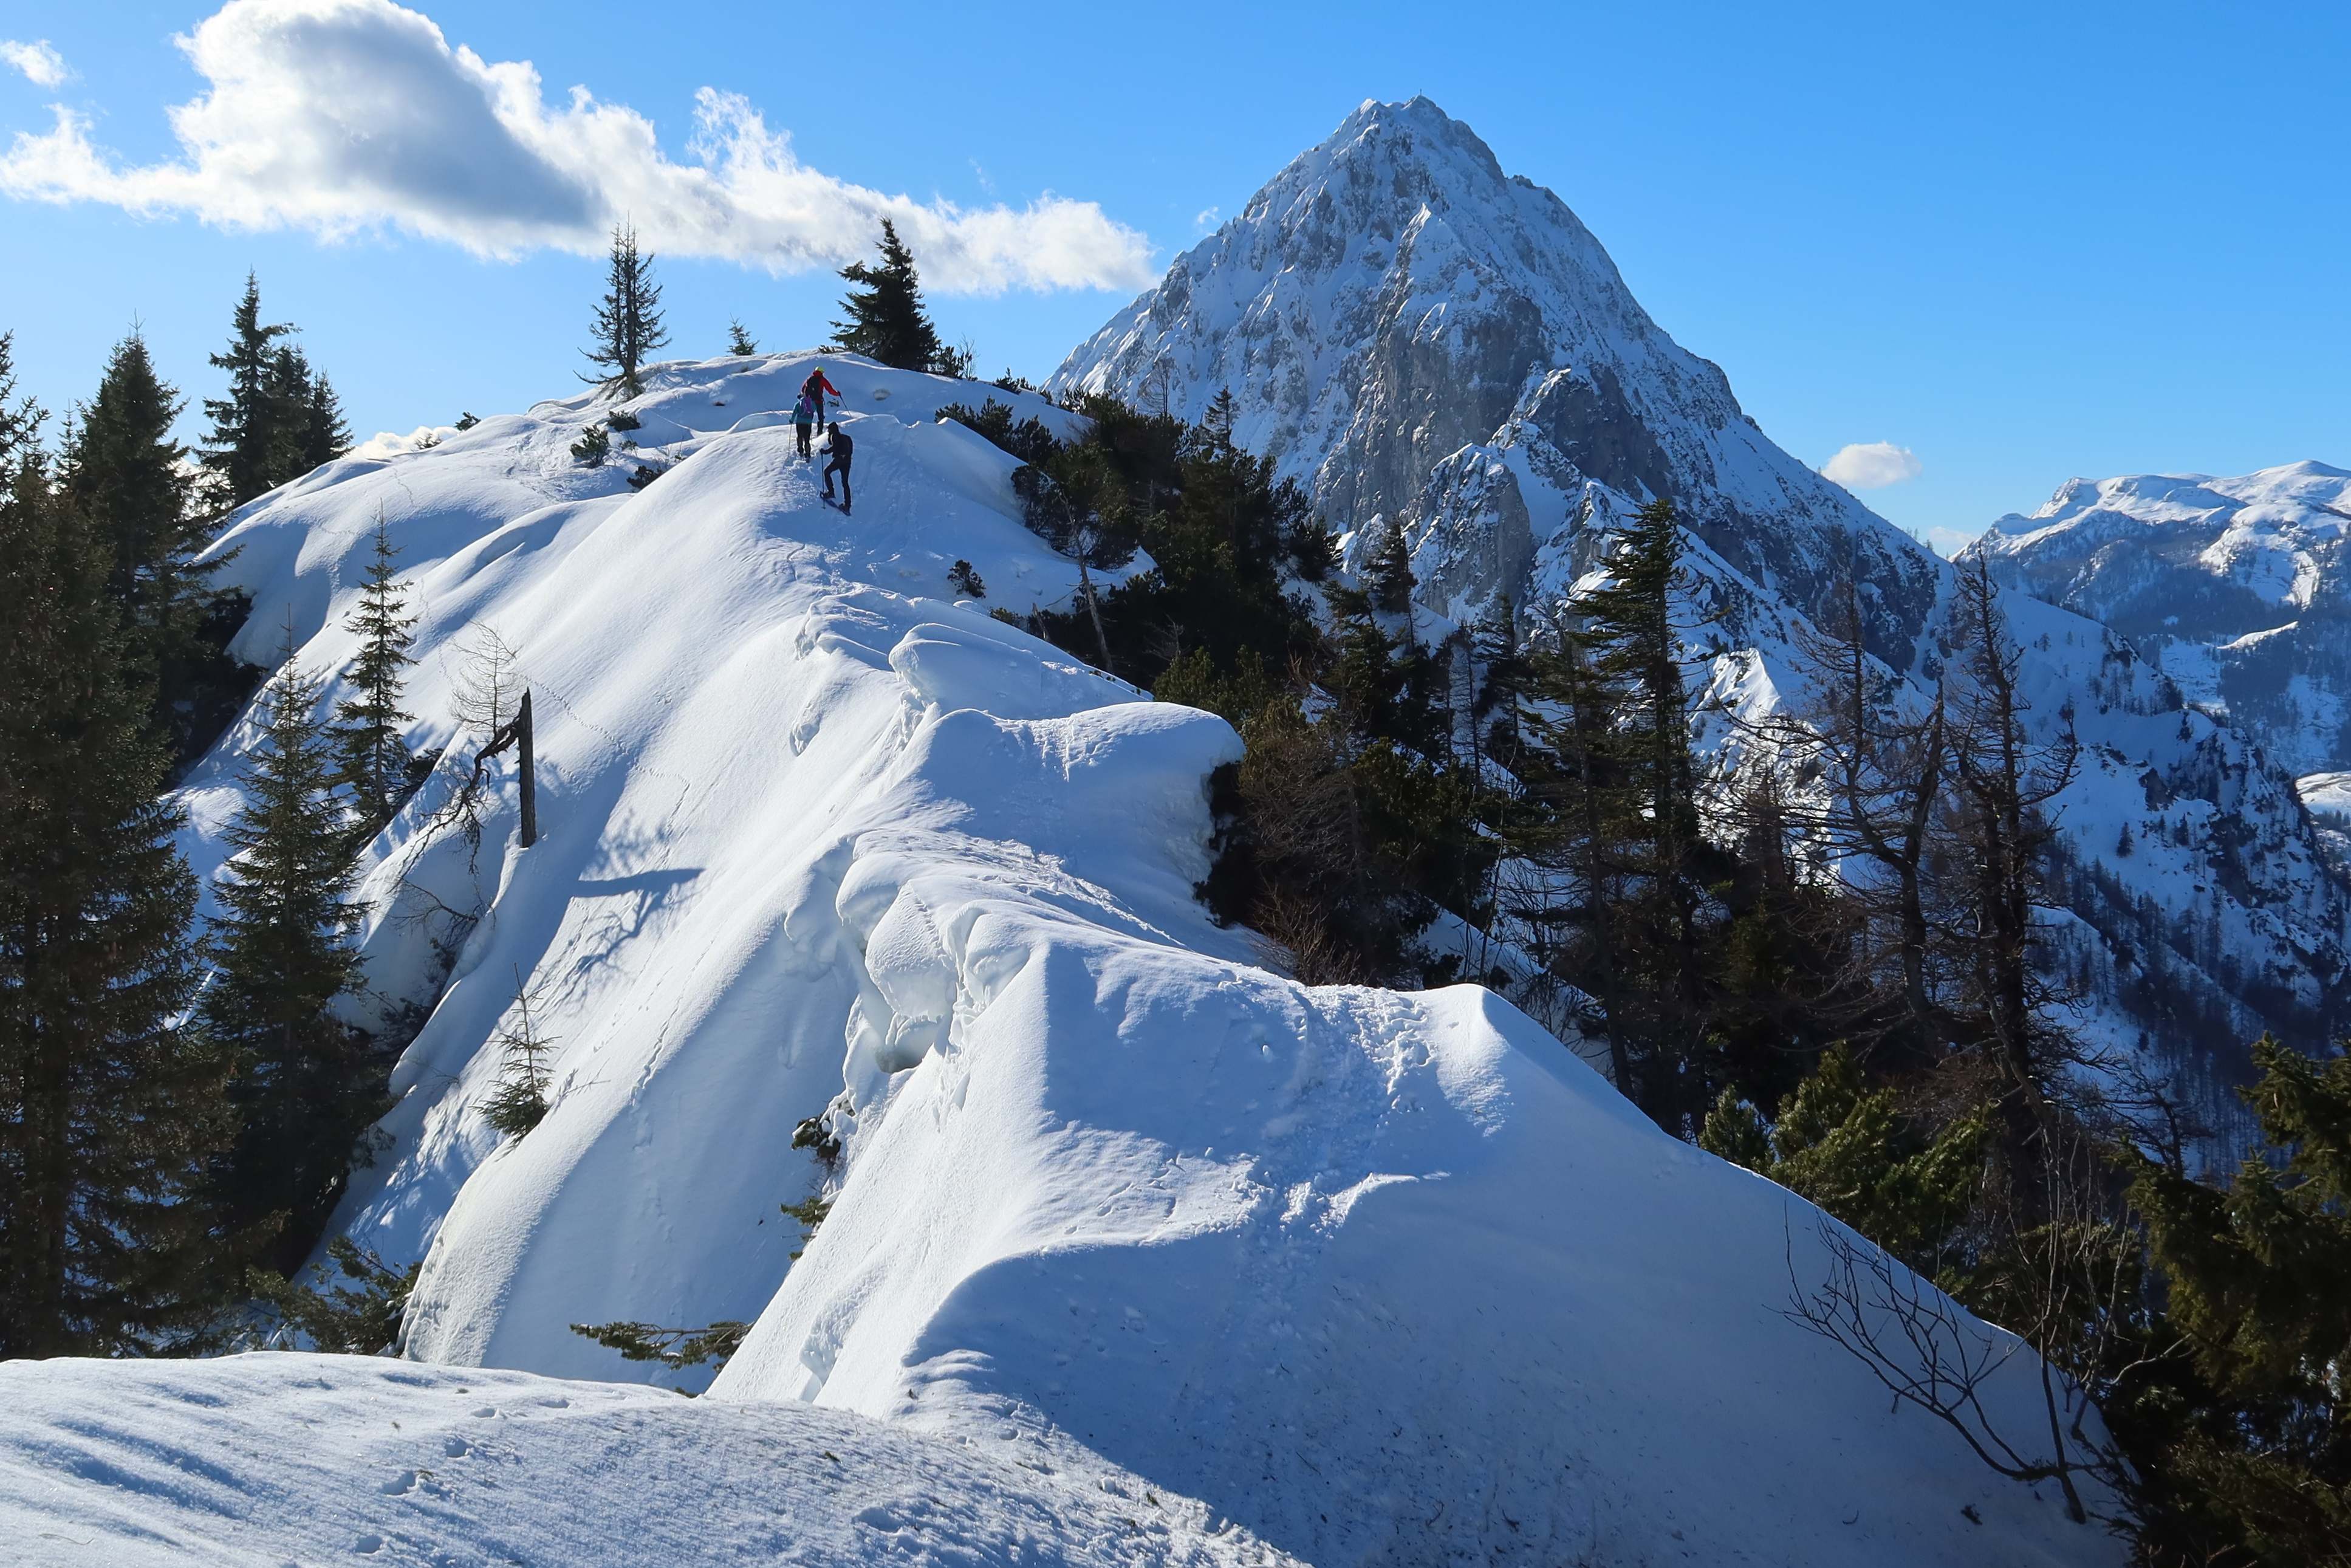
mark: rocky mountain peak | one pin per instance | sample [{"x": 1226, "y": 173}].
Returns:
[
  {"x": 1428, "y": 342},
  {"x": 1431, "y": 345}
]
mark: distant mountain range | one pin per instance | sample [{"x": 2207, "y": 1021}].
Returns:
[{"x": 2236, "y": 587}]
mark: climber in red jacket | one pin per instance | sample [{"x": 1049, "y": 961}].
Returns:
[{"x": 815, "y": 388}]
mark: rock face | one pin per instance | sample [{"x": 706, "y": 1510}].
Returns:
[
  {"x": 1421, "y": 338},
  {"x": 1429, "y": 344},
  {"x": 2236, "y": 587}
]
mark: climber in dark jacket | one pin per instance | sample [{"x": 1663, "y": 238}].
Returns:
[{"x": 839, "y": 449}]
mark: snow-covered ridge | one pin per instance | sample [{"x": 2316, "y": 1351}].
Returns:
[
  {"x": 1382, "y": 1278},
  {"x": 2236, "y": 587},
  {"x": 1431, "y": 343}
]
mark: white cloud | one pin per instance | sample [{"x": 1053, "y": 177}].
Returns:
[
  {"x": 346, "y": 117},
  {"x": 1948, "y": 542},
  {"x": 42, "y": 66},
  {"x": 1873, "y": 465},
  {"x": 1206, "y": 218}
]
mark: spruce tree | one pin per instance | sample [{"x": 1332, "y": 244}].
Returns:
[
  {"x": 886, "y": 320},
  {"x": 739, "y": 340},
  {"x": 518, "y": 1101},
  {"x": 627, "y": 328},
  {"x": 1390, "y": 577},
  {"x": 306, "y": 416},
  {"x": 20, "y": 418},
  {"x": 109, "y": 1110},
  {"x": 2258, "y": 1281},
  {"x": 1498, "y": 647},
  {"x": 1641, "y": 760},
  {"x": 374, "y": 755},
  {"x": 326, "y": 434},
  {"x": 307, "y": 1083},
  {"x": 245, "y": 452},
  {"x": 1847, "y": 1147},
  {"x": 122, "y": 469}
]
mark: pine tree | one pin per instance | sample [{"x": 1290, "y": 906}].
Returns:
[
  {"x": 20, "y": 418},
  {"x": 886, "y": 320},
  {"x": 311, "y": 430},
  {"x": 518, "y": 1101},
  {"x": 341, "y": 1318},
  {"x": 1390, "y": 578},
  {"x": 1216, "y": 423},
  {"x": 1574, "y": 805},
  {"x": 2003, "y": 834},
  {"x": 739, "y": 340},
  {"x": 1884, "y": 774},
  {"x": 329, "y": 435},
  {"x": 1642, "y": 755},
  {"x": 108, "y": 1111},
  {"x": 308, "y": 1084},
  {"x": 245, "y": 452},
  {"x": 1498, "y": 646},
  {"x": 123, "y": 470},
  {"x": 1845, "y": 1146},
  {"x": 375, "y": 756},
  {"x": 628, "y": 327},
  {"x": 2259, "y": 1283}
]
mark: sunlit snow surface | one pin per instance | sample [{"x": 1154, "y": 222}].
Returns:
[
  {"x": 260, "y": 1461},
  {"x": 1382, "y": 1277}
]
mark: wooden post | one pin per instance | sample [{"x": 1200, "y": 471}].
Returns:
[{"x": 530, "y": 781}]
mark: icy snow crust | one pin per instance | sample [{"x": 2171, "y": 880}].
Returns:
[{"x": 1384, "y": 1278}]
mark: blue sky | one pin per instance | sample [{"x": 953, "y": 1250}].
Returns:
[{"x": 2022, "y": 242}]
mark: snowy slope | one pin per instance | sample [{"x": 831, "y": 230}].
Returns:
[
  {"x": 2237, "y": 588},
  {"x": 1430, "y": 343},
  {"x": 1385, "y": 1278},
  {"x": 262, "y": 1461}
]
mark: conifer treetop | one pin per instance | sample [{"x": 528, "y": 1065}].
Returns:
[
  {"x": 885, "y": 318},
  {"x": 627, "y": 328}
]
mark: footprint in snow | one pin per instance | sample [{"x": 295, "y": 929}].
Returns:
[
  {"x": 368, "y": 1545},
  {"x": 456, "y": 1447}
]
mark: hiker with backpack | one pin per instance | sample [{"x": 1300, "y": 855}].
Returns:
[
  {"x": 815, "y": 388},
  {"x": 838, "y": 448},
  {"x": 804, "y": 423}
]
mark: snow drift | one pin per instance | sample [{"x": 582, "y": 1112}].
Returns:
[{"x": 1384, "y": 1278}]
